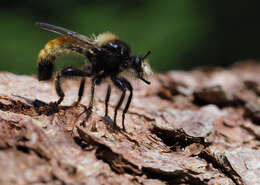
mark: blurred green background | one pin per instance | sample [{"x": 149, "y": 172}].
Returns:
[{"x": 181, "y": 33}]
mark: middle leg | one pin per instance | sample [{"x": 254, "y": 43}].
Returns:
[
  {"x": 107, "y": 99},
  {"x": 95, "y": 81}
]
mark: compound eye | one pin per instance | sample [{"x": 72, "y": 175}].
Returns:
[{"x": 138, "y": 61}]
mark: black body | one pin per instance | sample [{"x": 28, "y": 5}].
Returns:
[
  {"x": 111, "y": 59},
  {"x": 108, "y": 60}
]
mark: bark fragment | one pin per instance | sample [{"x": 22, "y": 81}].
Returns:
[{"x": 197, "y": 127}]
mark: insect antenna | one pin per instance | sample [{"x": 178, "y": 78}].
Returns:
[{"x": 146, "y": 55}]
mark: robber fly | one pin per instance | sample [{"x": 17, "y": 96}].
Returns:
[{"x": 106, "y": 57}]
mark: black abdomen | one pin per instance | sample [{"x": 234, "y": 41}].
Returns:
[{"x": 45, "y": 69}]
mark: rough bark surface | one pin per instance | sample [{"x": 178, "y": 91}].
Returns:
[{"x": 196, "y": 127}]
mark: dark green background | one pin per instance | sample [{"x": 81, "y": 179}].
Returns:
[{"x": 181, "y": 33}]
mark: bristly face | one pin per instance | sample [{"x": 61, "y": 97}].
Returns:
[{"x": 139, "y": 67}]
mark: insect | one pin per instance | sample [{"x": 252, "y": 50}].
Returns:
[{"x": 106, "y": 57}]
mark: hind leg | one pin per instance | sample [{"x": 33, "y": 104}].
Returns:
[{"x": 69, "y": 72}]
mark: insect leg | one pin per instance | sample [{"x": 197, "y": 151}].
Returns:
[
  {"x": 95, "y": 81},
  {"x": 81, "y": 90},
  {"x": 119, "y": 84},
  {"x": 130, "y": 88},
  {"x": 107, "y": 98},
  {"x": 69, "y": 72},
  {"x": 58, "y": 88}
]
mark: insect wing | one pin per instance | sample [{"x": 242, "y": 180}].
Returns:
[{"x": 71, "y": 34}]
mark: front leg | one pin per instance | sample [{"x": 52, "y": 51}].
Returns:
[
  {"x": 130, "y": 88},
  {"x": 119, "y": 83}
]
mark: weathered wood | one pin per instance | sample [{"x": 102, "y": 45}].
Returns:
[{"x": 197, "y": 127}]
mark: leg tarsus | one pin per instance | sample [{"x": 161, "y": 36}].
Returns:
[{"x": 88, "y": 113}]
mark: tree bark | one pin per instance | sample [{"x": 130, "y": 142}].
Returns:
[{"x": 196, "y": 127}]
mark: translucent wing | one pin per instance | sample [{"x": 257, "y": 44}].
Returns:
[{"x": 71, "y": 34}]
